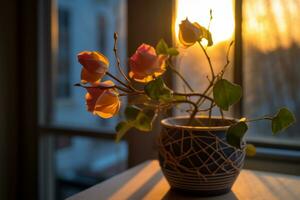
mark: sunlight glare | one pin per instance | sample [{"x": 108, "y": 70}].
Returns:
[{"x": 222, "y": 25}]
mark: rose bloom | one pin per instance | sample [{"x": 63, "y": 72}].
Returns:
[
  {"x": 101, "y": 101},
  {"x": 145, "y": 65},
  {"x": 189, "y": 33},
  {"x": 95, "y": 65}
]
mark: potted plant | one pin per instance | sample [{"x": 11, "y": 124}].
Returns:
[{"x": 199, "y": 154}]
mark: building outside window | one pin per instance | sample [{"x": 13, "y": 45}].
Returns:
[{"x": 81, "y": 162}]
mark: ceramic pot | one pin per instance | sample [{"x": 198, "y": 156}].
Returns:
[{"x": 197, "y": 159}]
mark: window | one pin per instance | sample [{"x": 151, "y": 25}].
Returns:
[
  {"x": 270, "y": 58},
  {"x": 82, "y": 145},
  {"x": 271, "y": 65},
  {"x": 192, "y": 61},
  {"x": 63, "y": 84}
]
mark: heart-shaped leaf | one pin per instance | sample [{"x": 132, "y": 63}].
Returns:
[
  {"x": 121, "y": 129},
  {"x": 283, "y": 119},
  {"x": 144, "y": 120},
  {"x": 161, "y": 47},
  {"x": 235, "y": 134},
  {"x": 226, "y": 93},
  {"x": 172, "y": 51},
  {"x": 137, "y": 118},
  {"x": 131, "y": 112},
  {"x": 157, "y": 90}
]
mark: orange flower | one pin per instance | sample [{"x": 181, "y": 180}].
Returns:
[
  {"x": 95, "y": 65},
  {"x": 145, "y": 65},
  {"x": 103, "y": 101}
]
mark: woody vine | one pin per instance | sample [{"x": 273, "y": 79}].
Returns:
[{"x": 147, "y": 66}]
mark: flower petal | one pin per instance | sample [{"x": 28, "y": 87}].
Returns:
[
  {"x": 145, "y": 65},
  {"x": 93, "y": 61},
  {"x": 108, "y": 104},
  {"x": 87, "y": 77}
]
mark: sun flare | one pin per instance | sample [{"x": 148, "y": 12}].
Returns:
[{"x": 222, "y": 25}]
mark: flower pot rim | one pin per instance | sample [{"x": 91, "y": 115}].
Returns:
[{"x": 167, "y": 122}]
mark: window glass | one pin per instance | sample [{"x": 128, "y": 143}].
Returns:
[
  {"x": 192, "y": 62},
  {"x": 271, "y": 64},
  {"x": 84, "y": 25},
  {"x": 83, "y": 162}
]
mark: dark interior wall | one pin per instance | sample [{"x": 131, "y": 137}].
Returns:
[
  {"x": 18, "y": 102},
  {"x": 148, "y": 22},
  {"x": 8, "y": 96}
]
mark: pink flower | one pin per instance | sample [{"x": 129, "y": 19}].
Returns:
[
  {"x": 145, "y": 65},
  {"x": 95, "y": 65},
  {"x": 103, "y": 101}
]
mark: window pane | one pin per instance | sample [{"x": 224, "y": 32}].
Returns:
[
  {"x": 83, "y": 162},
  {"x": 271, "y": 64},
  {"x": 84, "y": 25},
  {"x": 192, "y": 62}
]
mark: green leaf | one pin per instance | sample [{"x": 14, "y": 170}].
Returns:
[
  {"x": 173, "y": 51},
  {"x": 226, "y": 93},
  {"x": 157, "y": 90},
  {"x": 144, "y": 120},
  {"x": 250, "y": 150},
  {"x": 235, "y": 134},
  {"x": 208, "y": 37},
  {"x": 283, "y": 119},
  {"x": 131, "y": 112},
  {"x": 206, "y": 34},
  {"x": 161, "y": 47},
  {"x": 121, "y": 129}
]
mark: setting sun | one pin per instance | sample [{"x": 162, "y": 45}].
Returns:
[{"x": 222, "y": 25}]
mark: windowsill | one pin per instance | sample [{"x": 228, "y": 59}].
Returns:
[{"x": 275, "y": 160}]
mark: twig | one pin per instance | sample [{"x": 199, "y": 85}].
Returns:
[
  {"x": 221, "y": 112},
  {"x": 180, "y": 76},
  {"x": 103, "y": 87},
  {"x": 203, "y": 110},
  {"x": 209, "y": 61},
  {"x": 118, "y": 80},
  {"x": 210, "y": 112},
  {"x": 192, "y": 116},
  {"x": 194, "y": 94},
  {"x": 227, "y": 60},
  {"x": 259, "y": 118},
  {"x": 117, "y": 57}
]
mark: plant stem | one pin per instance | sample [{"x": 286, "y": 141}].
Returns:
[
  {"x": 227, "y": 60},
  {"x": 259, "y": 118},
  {"x": 118, "y": 80},
  {"x": 103, "y": 87},
  {"x": 202, "y": 110},
  {"x": 171, "y": 66},
  {"x": 192, "y": 116},
  {"x": 117, "y": 57},
  {"x": 221, "y": 112},
  {"x": 205, "y": 93},
  {"x": 210, "y": 112},
  {"x": 209, "y": 61},
  {"x": 194, "y": 94}
]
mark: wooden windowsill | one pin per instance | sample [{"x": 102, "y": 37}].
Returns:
[{"x": 146, "y": 181}]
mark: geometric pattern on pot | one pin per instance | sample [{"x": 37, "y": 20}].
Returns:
[{"x": 199, "y": 160}]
